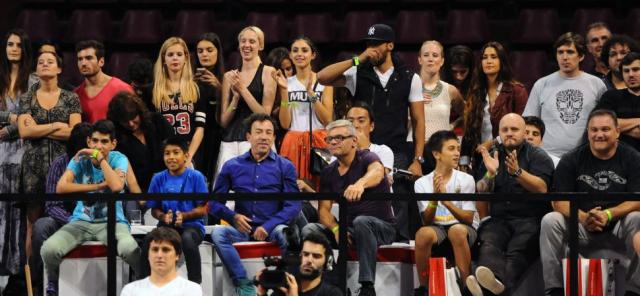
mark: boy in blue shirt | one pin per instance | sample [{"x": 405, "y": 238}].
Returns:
[
  {"x": 187, "y": 217},
  {"x": 97, "y": 169}
]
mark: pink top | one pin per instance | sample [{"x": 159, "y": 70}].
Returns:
[{"x": 95, "y": 108}]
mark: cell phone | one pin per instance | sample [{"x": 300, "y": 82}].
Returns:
[{"x": 200, "y": 71}]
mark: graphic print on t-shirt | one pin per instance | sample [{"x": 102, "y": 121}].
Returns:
[
  {"x": 178, "y": 115},
  {"x": 569, "y": 103},
  {"x": 602, "y": 180}
]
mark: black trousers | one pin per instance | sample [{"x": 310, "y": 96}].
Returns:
[{"x": 508, "y": 247}]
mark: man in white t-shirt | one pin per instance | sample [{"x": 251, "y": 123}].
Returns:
[
  {"x": 564, "y": 99},
  {"x": 164, "y": 251}
]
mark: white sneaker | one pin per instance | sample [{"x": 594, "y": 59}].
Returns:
[
  {"x": 472, "y": 285},
  {"x": 488, "y": 280}
]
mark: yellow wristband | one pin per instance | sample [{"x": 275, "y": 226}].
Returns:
[
  {"x": 335, "y": 229},
  {"x": 486, "y": 175},
  {"x": 609, "y": 215},
  {"x": 284, "y": 104},
  {"x": 356, "y": 60},
  {"x": 432, "y": 205}
]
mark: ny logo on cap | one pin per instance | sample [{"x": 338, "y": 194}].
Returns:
[{"x": 372, "y": 30}]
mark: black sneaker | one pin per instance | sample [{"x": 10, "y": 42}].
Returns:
[
  {"x": 421, "y": 291},
  {"x": 367, "y": 291}
]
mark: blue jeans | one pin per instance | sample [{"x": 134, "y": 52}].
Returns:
[{"x": 224, "y": 237}]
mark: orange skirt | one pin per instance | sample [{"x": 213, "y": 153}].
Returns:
[{"x": 295, "y": 147}]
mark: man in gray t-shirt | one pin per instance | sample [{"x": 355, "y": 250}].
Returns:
[{"x": 564, "y": 99}]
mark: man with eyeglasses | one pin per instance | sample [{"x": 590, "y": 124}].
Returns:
[{"x": 370, "y": 223}]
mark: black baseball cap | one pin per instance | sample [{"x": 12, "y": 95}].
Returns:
[{"x": 380, "y": 32}]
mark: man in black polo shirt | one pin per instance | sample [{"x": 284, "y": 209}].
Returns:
[
  {"x": 626, "y": 102},
  {"x": 382, "y": 80},
  {"x": 509, "y": 238},
  {"x": 601, "y": 166},
  {"x": 371, "y": 223}
]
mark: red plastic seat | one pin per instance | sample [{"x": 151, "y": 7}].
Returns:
[
  {"x": 141, "y": 27},
  {"x": 415, "y": 26},
  {"x": 537, "y": 26},
  {"x": 118, "y": 63},
  {"x": 356, "y": 24},
  {"x": 582, "y": 18},
  {"x": 315, "y": 26},
  {"x": 529, "y": 66},
  {"x": 39, "y": 24},
  {"x": 467, "y": 26},
  {"x": 190, "y": 24},
  {"x": 89, "y": 24}
]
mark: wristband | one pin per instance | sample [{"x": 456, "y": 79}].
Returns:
[
  {"x": 609, "y": 215},
  {"x": 486, "y": 175},
  {"x": 231, "y": 109},
  {"x": 284, "y": 104},
  {"x": 433, "y": 206},
  {"x": 335, "y": 229},
  {"x": 356, "y": 60},
  {"x": 94, "y": 154}
]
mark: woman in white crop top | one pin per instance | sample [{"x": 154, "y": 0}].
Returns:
[{"x": 300, "y": 91}]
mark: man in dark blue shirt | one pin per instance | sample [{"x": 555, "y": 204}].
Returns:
[{"x": 259, "y": 171}]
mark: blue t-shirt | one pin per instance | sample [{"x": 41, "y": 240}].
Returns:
[
  {"x": 86, "y": 173},
  {"x": 191, "y": 181}
]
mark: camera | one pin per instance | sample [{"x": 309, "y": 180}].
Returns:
[{"x": 273, "y": 279}]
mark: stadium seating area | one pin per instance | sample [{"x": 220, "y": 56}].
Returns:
[{"x": 134, "y": 28}]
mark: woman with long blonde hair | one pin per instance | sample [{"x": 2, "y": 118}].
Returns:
[
  {"x": 177, "y": 96},
  {"x": 250, "y": 89}
]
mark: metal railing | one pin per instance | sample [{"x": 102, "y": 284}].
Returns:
[{"x": 575, "y": 198}]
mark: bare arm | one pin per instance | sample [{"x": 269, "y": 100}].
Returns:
[
  {"x": 623, "y": 209},
  {"x": 324, "y": 109},
  {"x": 457, "y": 104},
  {"x": 66, "y": 184},
  {"x": 627, "y": 124},
  {"x": 28, "y": 128},
  {"x": 195, "y": 142},
  {"x": 563, "y": 207},
  {"x": 333, "y": 74},
  {"x": 417, "y": 122},
  {"x": 197, "y": 212},
  {"x": 64, "y": 133},
  {"x": 532, "y": 183},
  {"x": 229, "y": 104},
  {"x": 429, "y": 213},
  {"x": 464, "y": 216},
  {"x": 483, "y": 209},
  {"x": 132, "y": 181},
  {"x": 373, "y": 177}
]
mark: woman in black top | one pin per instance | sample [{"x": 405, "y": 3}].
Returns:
[
  {"x": 208, "y": 73},
  {"x": 251, "y": 89},
  {"x": 140, "y": 134}
]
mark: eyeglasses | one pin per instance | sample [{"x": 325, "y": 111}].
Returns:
[{"x": 338, "y": 138}]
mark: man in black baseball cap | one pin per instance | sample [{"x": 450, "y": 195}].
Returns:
[{"x": 382, "y": 80}]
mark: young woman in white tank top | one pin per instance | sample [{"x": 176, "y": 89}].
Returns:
[
  {"x": 439, "y": 97},
  {"x": 297, "y": 92}
]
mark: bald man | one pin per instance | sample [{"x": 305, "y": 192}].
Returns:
[{"x": 509, "y": 236}]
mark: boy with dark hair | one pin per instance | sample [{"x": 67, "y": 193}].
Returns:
[
  {"x": 534, "y": 132},
  {"x": 185, "y": 216},
  {"x": 97, "y": 169},
  {"x": 164, "y": 250},
  {"x": 455, "y": 221}
]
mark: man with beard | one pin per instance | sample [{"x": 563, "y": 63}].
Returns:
[
  {"x": 383, "y": 81},
  {"x": 98, "y": 88},
  {"x": 601, "y": 166},
  {"x": 626, "y": 102},
  {"x": 316, "y": 257},
  {"x": 508, "y": 238},
  {"x": 613, "y": 51}
]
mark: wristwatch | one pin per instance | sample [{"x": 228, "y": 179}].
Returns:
[
  {"x": 420, "y": 159},
  {"x": 517, "y": 173}
]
